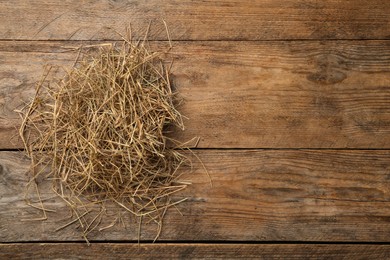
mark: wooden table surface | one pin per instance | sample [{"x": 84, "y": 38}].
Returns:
[{"x": 290, "y": 99}]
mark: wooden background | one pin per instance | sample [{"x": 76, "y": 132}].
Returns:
[{"x": 290, "y": 99}]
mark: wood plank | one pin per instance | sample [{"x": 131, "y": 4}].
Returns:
[
  {"x": 191, "y": 20},
  {"x": 257, "y": 195},
  {"x": 192, "y": 251},
  {"x": 300, "y": 94}
]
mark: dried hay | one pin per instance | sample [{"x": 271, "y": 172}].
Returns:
[{"x": 102, "y": 133}]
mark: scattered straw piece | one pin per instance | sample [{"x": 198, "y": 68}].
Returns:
[{"x": 101, "y": 132}]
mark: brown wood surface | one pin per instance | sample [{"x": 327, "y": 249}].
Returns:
[
  {"x": 192, "y": 251},
  {"x": 274, "y": 74},
  {"x": 333, "y": 94},
  {"x": 257, "y": 195},
  {"x": 196, "y": 20}
]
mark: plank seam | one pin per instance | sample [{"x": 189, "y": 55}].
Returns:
[
  {"x": 203, "y": 242},
  {"x": 221, "y": 40},
  {"x": 258, "y": 149}
]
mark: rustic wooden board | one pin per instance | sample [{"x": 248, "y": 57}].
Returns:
[
  {"x": 276, "y": 74},
  {"x": 257, "y": 195},
  {"x": 299, "y": 94},
  {"x": 192, "y": 251},
  {"x": 192, "y": 20}
]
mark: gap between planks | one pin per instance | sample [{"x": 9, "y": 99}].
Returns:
[{"x": 190, "y": 251}]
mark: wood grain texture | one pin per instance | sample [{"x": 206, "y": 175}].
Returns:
[
  {"x": 194, "y": 20},
  {"x": 192, "y": 251},
  {"x": 299, "y": 94},
  {"x": 257, "y": 195}
]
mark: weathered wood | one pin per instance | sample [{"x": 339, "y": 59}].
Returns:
[
  {"x": 191, "y": 20},
  {"x": 299, "y": 94},
  {"x": 257, "y": 195},
  {"x": 192, "y": 251}
]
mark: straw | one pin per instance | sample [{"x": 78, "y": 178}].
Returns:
[{"x": 101, "y": 131}]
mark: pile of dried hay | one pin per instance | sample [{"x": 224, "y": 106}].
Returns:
[{"x": 101, "y": 131}]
